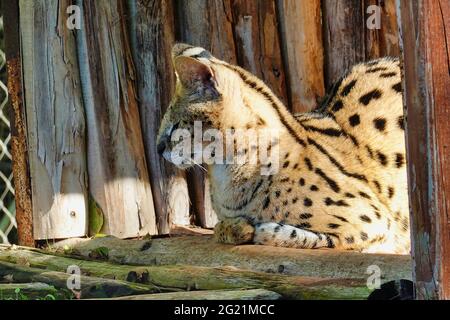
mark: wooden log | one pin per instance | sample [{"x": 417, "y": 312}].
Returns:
[
  {"x": 426, "y": 48},
  {"x": 258, "y": 47},
  {"x": 255, "y": 294},
  {"x": 301, "y": 31},
  {"x": 152, "y": 36},
  {"x": 19, "y": 145},
  {"x": 55, "y": 121},
  {"x": 207, "y": 24},
  {"x": 30, "y": 291},
  {"x": 118, "y": 177},
  {"x": 181, "y": 276},
  {"x": 90, "y": 287},
  {"x": 208, "y": 253}
]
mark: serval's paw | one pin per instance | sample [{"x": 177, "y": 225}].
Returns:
[{"x": 234, "y": 231}]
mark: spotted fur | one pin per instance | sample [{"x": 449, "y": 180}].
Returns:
[{"x": 342, "y": 177}]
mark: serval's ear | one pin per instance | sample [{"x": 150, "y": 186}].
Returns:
[{"x": 194, "y": 74}]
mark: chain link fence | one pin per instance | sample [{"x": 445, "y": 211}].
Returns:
[{"x": 8, "y": 225}]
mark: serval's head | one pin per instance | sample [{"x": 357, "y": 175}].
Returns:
[{"x": 208, "y": 91}]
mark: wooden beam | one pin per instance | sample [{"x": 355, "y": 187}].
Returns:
[
  {"x": 425, "y": 28},
  {"x": 54, "y": 120},
  {"x": 19, "y": 144}
]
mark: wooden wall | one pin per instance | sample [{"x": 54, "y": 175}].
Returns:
[{"x": 94, "y": 97}]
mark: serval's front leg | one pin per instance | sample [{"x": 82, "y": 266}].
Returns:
[{"x": 234, "y": 231}]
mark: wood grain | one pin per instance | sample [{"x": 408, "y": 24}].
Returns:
[
  {"x": 55, "y": 121},
  {"x": 151, "y": 25},
  {"x": 425, "y": 37},
  {"x": 301, "y": 30},
  {"x": 118, "y": 175}
]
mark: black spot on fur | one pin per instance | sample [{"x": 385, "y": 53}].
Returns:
[
  {"x": 333, "y": 184},
  {"x": 330, "y": 243},
  {"x": 295, "y": 166},
  {"x": 364, "y": 236},
  {"x": 333, "y": 225},
  {"x": 289, "y": 190},
  {"x": 305, "y": 216},
  {"x": 293, "y": 234},
  {"x": 397, "y": 87},
  {"x": 350, "y": 239},
  {"x": 284, "y": 179},
  {"x": 365, "y": 218},
  {"x": 303, "y": 225},
  {"x": 346, "y": 90},
  {"x": 308, "y": 164},
  {"x": 371, "y": 95},
  {"x": 307, "y": 202},
  {"x": 286, "y": 164},
  {"x": 349, "y": 195},
  {"x": 391, "y": 192},
  {"x": 364, "y": 195},
  {"x": 340, "y": 218},
  {"x": 295, "y": 200},
  {"x": 277, "y": 193},
  {"x": 405, "y": 224},
  {"x": 377, "y": 185},
  {"x": 354, "y": 120},
  {"x": 285, "y": 202},
  {"x": 313, "y": 188},
  {"x": 388, "y": 74},
  {"x": 369, "y": 151},
  {"x": 380, "y": 124},
  {"x": 373, "y": 70},
  {"x": 277, "y": 228},
  {"x": 382, "y": 158},
  {"x": 399, "y": 160},
  {"x": 340, "y": 203},
  {"x": 338, "y": 105},
  {"x": 301, "y": 182}
]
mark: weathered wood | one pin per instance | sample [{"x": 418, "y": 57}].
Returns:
[
  {"x": 426, "y": 38},
  {"x": 29, "y": 291},
  {"x": 207, "y": 24},
  {"x": 301, "y": 31},
  {"x": 257, "y": 41},
  {"x": 90, "y": 287},
  {"x": 255, "y": 294},
  {"x": 55, "y": 121},
  {"x": 118, "y": 175},
  {"x": 344, "y": 44},
  {"x": 180, "y": 276},
  {"x": 152, "y": 34},
  {"x": 19, "y": 147},
  {"x": 208, "y": 253},
  {"x": 385, "y": 40}
]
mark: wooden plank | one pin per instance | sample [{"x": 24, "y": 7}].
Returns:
[
  {"x": 425, "y": 37},
  {"x": 385, "y": 40},
  {"x": 207, "y": 24},
  {"x": 258, "y": 44},
  {"x": 19, "y": 148},
  {"x": 344, "y": 44},
  {"x": 118, "y": 176},
  {"x": 152, "y": 34},
  {"x": 301, "y": 30},
  {"x": 55, "y": 121}
]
